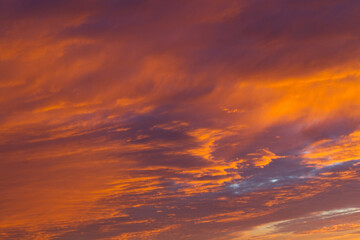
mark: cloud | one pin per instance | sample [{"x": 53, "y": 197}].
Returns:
[{"x": 179, "y": 120}]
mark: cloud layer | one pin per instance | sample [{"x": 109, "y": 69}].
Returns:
[{"x": 179, "y": 119}]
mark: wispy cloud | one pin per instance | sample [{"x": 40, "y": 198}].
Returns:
[{"x": 179, "y": 119}]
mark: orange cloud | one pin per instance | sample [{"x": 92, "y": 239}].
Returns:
[{"x": 178, "y": 120}]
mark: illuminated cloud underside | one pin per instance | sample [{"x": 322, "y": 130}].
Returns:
[{"x": 137, "y": 119}]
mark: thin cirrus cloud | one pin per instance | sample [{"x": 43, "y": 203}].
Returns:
[{"x": 179, "y": 119}]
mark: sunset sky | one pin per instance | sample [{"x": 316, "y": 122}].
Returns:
[{"x": 180, "y": 119}]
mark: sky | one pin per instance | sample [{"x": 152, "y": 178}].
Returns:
[{"x": 180, "y": 119}]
